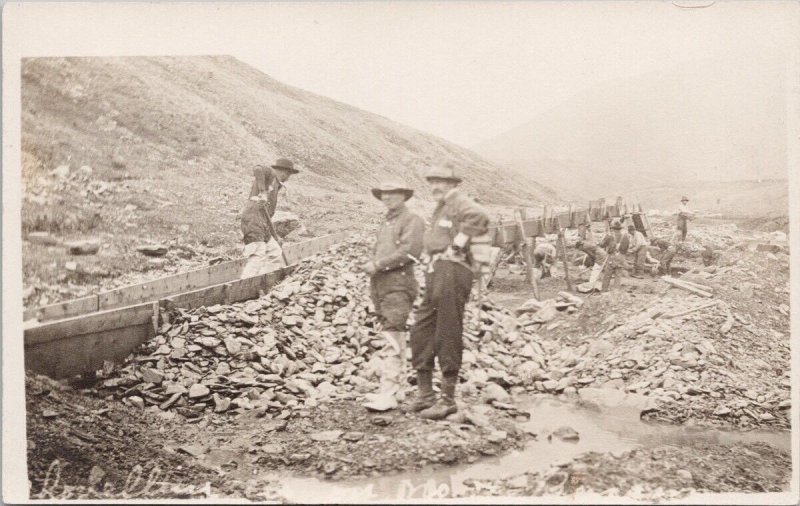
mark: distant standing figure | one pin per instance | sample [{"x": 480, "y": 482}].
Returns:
[
  {"x": 639, "y": 249},
  {"x": 616, "y": 245},
  {"x": 684, "y": 215},
  {"x": 261, "y": 247}
]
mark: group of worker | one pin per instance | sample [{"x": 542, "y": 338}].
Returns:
[
  {"x": 455, "y": 244},
  {"x": 609, "y": 256}
]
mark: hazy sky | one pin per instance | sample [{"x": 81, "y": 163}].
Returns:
[{"x": 465, "y": 71}]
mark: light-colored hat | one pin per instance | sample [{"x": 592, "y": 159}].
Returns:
[
  {"x": 392, "y": 185},
  {"x": 445, "y": 173}
]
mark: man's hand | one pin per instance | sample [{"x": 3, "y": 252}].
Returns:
[{"x": 369, "y": 267}]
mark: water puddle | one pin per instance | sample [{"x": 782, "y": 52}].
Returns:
[{"x": 601, "y": 428}]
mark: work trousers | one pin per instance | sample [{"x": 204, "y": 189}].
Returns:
[
  {"x": 615, "y": 266},
  {"x": 438, "y": 327},
  {"x": 393, "y": 295},
  {"x": 262, "y": 257},
  {"x": 639, "y": 257},
  {"x": 683, "y": 227},
  {"x": 665, "y": 262}
]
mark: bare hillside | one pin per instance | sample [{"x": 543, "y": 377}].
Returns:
[
  {"x": 162, "y": 149},
  {"x": 705, "y": 120}
]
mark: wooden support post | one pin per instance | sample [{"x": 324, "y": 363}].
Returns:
[{"x": 563, "y": 250}]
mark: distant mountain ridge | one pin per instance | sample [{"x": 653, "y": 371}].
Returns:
[{"x": 712, "y": 119}]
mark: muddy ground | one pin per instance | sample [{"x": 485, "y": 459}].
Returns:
[{"x": 98, "y": 442}]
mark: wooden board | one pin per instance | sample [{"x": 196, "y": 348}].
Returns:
[
  {"x": 169, "y": 285},
  {"x": 298, "y": 251},
  {"x": 86, "y": 324},
  {"x": 85, "y": 353},
  {"x": 157, "y": 288},
  {"x": 63, "y": 309},
  {"x": 225, "y": 293}
]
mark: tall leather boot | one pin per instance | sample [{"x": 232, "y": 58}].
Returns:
[
  {"x": 392, "y": 375},
  {"x": 446, "y": 404},
  {"x": 425, "y": 397}
]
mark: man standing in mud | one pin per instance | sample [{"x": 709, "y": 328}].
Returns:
[
  {"x": 437, "y": 332},
  {"x": 393, "y": 286},
  {"x": 261, "y": 246},
  {"x": 684, "y": 215},
  {"x": 616, "y": 245}
]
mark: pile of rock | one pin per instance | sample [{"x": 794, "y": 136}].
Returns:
[{"x": 311, "y": 338}]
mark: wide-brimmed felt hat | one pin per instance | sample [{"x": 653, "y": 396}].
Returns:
[
  {"x": 684, "y": 199},
  {"x": 616, "y": 226},
  {"x": 285, "y": 164},
  {"x": 392, "y": 185},
  {"x": 444, "y": 173}
]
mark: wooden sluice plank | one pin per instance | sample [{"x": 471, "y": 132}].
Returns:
[{"x": 64, "y": 309}]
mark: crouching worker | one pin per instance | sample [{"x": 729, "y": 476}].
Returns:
[
  {"x": 596, "y": 257},
  {"x": 261, "y": 246},
  {"x": 393, "y": 286},
  {"x": 543, "y": 256},
  {"x": 457, "y": 224}
]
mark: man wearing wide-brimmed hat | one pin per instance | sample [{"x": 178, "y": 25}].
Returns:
[
  {"x": 261, "y": 243},
  {"x": 616, "y": 245},
  {"x": 393, "y": 286},
  {"x": 684, "y": 215},
  {"x": 458, "y": 223}
]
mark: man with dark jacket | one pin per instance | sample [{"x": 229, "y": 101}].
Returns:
[
  {"x": 437, "y": 332},
  {"x": 261, "y": 246},
  {"x": 393, "y": 286}
]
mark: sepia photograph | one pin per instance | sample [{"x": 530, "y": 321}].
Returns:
[{"x": 401, "y": 252}]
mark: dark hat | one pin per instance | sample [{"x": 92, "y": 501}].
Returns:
[
  {"x": 684, "y": 199},
  {"x": 392, "y": 185},
  {"x": 445, "y": 173},
  {"x": 616, "y": 226},
  {"x": 579, "y": 244},
  {"x": 285, "y": 164}
]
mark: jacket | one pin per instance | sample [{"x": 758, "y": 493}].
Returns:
[
  {"x": 455, "y": 214},
  {"x": 400, "y": 235},
  {"x": 611, "y": 245}
]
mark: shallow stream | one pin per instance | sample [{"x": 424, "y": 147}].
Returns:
[{"x": 604, "y": 424}]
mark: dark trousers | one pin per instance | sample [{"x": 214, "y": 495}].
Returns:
[
  {"x": 438, "y": 326},
  {"x": 666, "y": 261},
  {"x": 615, "y": 266},
  {"x": 683, "y": 227}
]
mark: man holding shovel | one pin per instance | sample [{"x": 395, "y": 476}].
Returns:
[{"x": 261, "y": 243}]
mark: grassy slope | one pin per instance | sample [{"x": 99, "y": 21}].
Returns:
[{"x": 177, "y": 137}]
